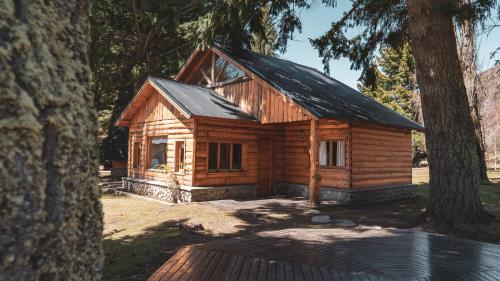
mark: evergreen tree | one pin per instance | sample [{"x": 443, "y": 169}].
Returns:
[
  {"x": 395, "y": 85},
  {"x": 264, "y": 43},
  {"x": 131, "y": 40}
]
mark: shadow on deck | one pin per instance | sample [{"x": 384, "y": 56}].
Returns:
[{"x": 335, "y": 254}]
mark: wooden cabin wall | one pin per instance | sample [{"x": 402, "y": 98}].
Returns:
[
  {"x": 261, "y": 101},
  {"x": 335, "y": 130},
  {"x": 380, "y": 156},
  {"x": 159, "y": 118},
  {"x": 210, "y": 130},
  {"x": 296, "y": 148}
]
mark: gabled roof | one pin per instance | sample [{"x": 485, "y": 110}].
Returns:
[
  {"x": 316, "y": 92},
  {"x": 190, "y": 100}
]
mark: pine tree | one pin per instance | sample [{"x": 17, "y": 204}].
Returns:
[
  {"x": 131, "y": 40},
  {"x": 264, "y": 42},
  {"x": 395, "y": 85}
]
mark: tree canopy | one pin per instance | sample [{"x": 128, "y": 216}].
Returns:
[{"x": 131, "y": 40}]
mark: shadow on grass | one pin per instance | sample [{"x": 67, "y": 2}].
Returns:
[{"x": 137, "y": 257}]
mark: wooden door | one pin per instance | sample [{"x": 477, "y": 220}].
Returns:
[{"x": 264, "y": 167}]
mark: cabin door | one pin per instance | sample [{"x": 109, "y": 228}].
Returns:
[{"x": 264, "y": 167}]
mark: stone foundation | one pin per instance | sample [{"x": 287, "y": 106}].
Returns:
[
  {"x": 351, "y": 196},
  {"x": 162, "y": 191}
]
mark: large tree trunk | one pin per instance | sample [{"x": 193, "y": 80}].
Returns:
[
  {"x": 468, "y": 59},
  {"x": 50, "y": 214},
  {"x": 450, "y": 139}
]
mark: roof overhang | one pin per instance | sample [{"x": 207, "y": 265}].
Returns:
[{"x": 139, "y": 100}]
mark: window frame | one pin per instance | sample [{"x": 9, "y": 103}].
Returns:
[
  {"x": 177, "y": 169},
  {"x": 150, "y": 147},
  {"x": 136, "y": 156},
  {"x": 231, "y": 146},
  {"x": 330, "y": 157}
]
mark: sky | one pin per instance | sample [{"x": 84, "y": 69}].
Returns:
[{"x": 317, "y": 20}]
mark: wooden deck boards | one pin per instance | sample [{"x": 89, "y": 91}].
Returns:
[{"x": 332, "y": 255}]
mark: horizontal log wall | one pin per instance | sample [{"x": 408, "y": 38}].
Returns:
[
  {"x": 159, "y": 118},
  {"x": 296, "y": 148},
  {"x": 247, "y": 133},
  {"x": 381, "y": 156},
  {"x": 263, "y": 102}
]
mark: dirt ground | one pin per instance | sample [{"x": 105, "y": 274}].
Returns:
[{"x": 140, "y": 235}]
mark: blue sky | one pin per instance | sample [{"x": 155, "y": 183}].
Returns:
[{"x": 317, "y": 20}]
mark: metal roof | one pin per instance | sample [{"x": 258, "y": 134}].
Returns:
[
  {"x": 199, "y": 101},
  {"x": 316, "y": 92}
]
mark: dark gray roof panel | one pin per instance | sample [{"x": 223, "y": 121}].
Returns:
[
  {"x": 318, "y": 93},
  {"x": 199, "y": 101}
]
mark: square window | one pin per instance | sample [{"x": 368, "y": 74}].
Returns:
[
  {"x": 331, "y": 153},
  {"x": 158, "y": 152}
]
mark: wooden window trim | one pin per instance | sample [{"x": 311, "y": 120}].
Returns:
[
  {"x": 177, "y": 170},
  {"x": 219, "y": 171},
  {"x": 331, "y": 166},
  {"x": 134, "y": 143}
]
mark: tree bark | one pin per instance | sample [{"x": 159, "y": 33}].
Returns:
[
  {"x": 468, "y": 60},
  {"x": 50, "y": 214},
  {"x": 454, "y": 170}
]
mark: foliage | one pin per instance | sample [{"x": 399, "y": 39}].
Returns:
[
  {"x": 235, "y": 22},
  {"x": 384, "y": 24},
  {"x": 131, "y": 40},
  {"x": 395, "y": 81},
  {"x": 264, "y": 43}
]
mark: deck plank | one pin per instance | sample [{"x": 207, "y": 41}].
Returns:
[{"x": 331, "y": 255}]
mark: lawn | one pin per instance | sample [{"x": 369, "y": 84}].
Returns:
[{"x": 140, "y": 235}]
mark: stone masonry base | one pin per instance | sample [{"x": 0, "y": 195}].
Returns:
[
  {"x": 351, "y": 196},
  {"x": 163, "y": 192}
]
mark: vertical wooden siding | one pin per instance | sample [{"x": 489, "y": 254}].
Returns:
[
  {"x": 208, "y": 130},
  {"x": 157, "y": 117},
  {"x": 296, "y": 158},
  {"x": 380, "y": 156},
  {"x": 261, "y": 101}
]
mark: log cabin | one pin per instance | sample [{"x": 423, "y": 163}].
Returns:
[{"x": 238, "y": 124}]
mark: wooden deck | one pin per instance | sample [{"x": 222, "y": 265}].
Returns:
[{"x": 333, "y": 254}]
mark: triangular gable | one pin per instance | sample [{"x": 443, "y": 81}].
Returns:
[
  {"x": 140, "y": 99},
  {"x": 198, "y": 62}
]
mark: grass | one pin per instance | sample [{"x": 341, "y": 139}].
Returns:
[
  {"x": 140, "y": 235},
  {"x": 490, "y": 193}
]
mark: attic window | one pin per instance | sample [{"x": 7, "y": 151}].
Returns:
[
  {"x": 219, "y": 73},
  {"x": 225, "y": 71}
]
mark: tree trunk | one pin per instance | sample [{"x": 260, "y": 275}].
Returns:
[
  {"x": 468, "y": 60},
  {"x": 450, "y": 139},
  {"x": 50, "y": 214}
]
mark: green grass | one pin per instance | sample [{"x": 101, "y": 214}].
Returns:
[{"x": 490, "y": 193}]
